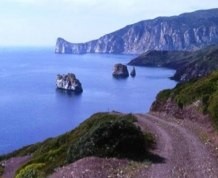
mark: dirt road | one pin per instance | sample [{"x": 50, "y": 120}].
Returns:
[
  {"x": 185, "y": 155},
  {"x": 12, "y": 165}
]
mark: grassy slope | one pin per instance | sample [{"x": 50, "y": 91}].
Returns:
[
  {"x": 55, "y": 152},
  {"x": 204, "y": 89}
]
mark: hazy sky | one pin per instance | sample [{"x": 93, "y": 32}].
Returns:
[{"x": 40, "y": 22}]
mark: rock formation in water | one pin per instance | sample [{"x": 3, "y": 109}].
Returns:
[
  {"x": 189, "y": 31},
  {"x": 133, "y": 72},
  {"x": 120, "y": 71},
  {"x": 69, "y": 82}
]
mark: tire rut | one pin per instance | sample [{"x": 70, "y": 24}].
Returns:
[{"x": 184, "y": 154}]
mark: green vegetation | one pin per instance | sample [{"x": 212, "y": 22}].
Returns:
[
  {"x": 103, "y": 135},
  {"x": 111, "y": 139},
  {"x": 32, "y": 170},
  {"x": 1, "y": 170},
  {"x": 204, "y": 90}
]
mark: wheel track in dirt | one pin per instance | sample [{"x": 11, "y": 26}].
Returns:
[{"x": 185, "y": 155}]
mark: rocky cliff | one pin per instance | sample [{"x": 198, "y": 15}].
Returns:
[{"x": 187, "y": 31}]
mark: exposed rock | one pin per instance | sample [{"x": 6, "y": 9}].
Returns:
[
  {"x": 133, "y": 72},
  {"x": 190, "y": 112},
  {"x": 189, "y": 31},
  {"x": 69, "y": 82},
  {"x": 120, "y": 71}
]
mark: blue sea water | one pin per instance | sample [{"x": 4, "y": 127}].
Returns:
[{"x": 31, "y": 109}]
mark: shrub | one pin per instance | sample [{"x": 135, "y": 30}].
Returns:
[
  {"x": 1, "y": 170},
  {"x": 31, "y": 171},
  {"x": 164, "y": 95},
  {"x": 213, "y": 108},
  {"x": 119, "y": 138}
]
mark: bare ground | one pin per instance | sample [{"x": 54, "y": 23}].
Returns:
[
  {"x": 11, "y": 165},
  {"x": 94, "y": 167}
]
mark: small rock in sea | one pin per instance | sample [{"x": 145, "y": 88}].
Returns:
[
  {"x": 69, "y": 82},
  {"x": 120, "y": 71}
]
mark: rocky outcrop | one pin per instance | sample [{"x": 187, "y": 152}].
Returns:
[
  {"x": 69, "y": 82},
  {"x": 191, "y": 111},
  {"x": 120, "y": 71},
  {"x": 189, "y": 31}
]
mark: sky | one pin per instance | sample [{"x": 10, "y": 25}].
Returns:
[{"x": 40, "y": 22}]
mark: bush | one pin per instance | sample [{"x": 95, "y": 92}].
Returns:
[
  {"x": 213, "y": 108},
  {"x": 164, "y": 95},
  {"x": 1, "y": 170},
  {"x": 31, "y": 171},
  {"x": 119, "y": 138}
]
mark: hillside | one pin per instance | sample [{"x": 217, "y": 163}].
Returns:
[
  {"x": 195, "y": 100},
  {"x": 154, "y": 58},
  {"x": 188, "y": 31},
  {"x": 188, "y": 65},
  {"x": 102, "y": 135}
]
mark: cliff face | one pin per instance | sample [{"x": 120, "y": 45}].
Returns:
[{"x": 188, "y": 31}]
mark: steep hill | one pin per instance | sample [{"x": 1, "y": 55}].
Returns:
[
  {"x": 188, "y": 65},
  {"x": 195, "y": 100},
  {"x": 188, "y": 31}
]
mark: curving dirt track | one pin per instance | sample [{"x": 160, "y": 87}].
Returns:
[
  {"x": 185, "y": 155},
  {"x": 12, "y": 165}
]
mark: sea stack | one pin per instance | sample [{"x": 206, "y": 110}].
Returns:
[
  {"x": 69, "y": 82},
  {"x": 120, "y": 71},
  {"x": 133, "y": 72}
]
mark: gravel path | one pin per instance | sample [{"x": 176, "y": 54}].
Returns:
[
  {"x": 91, "y": 167},
  {"x": 185, "y": 155}
]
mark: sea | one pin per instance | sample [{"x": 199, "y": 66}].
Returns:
[{"x": 32, "y": 109}]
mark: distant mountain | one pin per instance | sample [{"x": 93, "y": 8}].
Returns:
[
  {"x": 189, "y": 31},
  {"x": 188, "y": 65}
]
